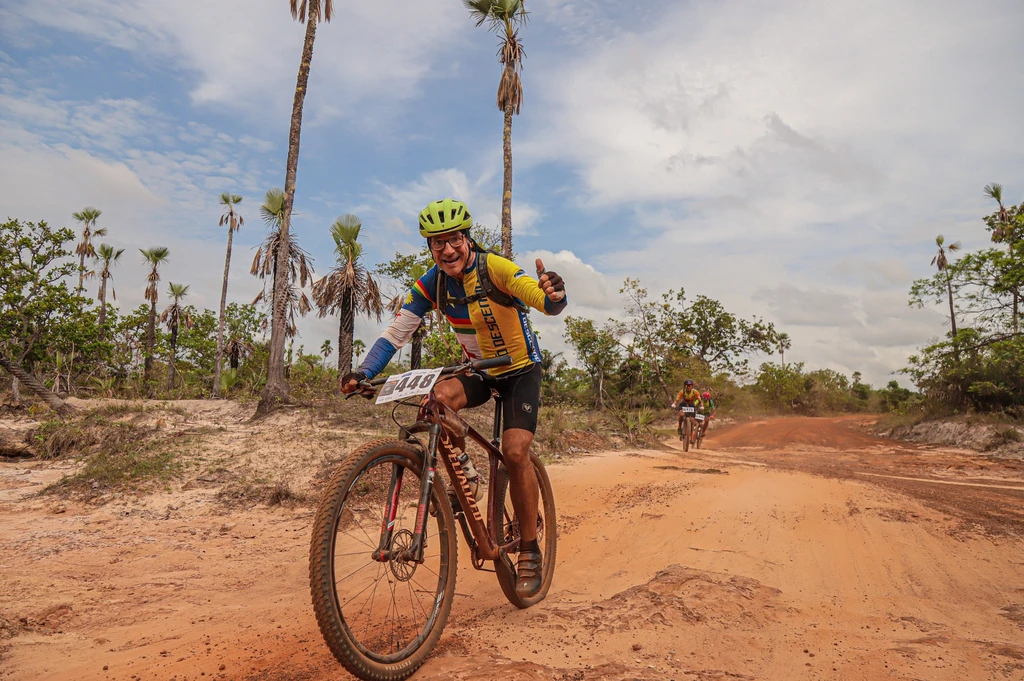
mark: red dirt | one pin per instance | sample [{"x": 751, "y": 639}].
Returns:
[{"x": 774, "y": 553}]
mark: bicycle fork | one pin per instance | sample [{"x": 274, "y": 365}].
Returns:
[{"x": 414, "y": 552}]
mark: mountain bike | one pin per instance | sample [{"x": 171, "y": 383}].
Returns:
[
  {"x": 382, "y": 558},
  {"x": 688, "y": 418},
  {"x": 699, "y": 428}
]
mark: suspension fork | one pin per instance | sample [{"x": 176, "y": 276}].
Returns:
[
  {"x": 415, "y": 552},
  {"x": 387, "y": 528}
]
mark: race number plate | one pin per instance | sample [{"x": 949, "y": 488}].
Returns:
[
  {"x": 415, "y": 382},
  {"x": 687, "y": 410},
  {"x": 699, "y": 417}
]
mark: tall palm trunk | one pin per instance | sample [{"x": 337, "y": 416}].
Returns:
[
  {"x": 416, "y": 349},
  {"x": 174, "y": 351},
  {"x": 150, "y": 341},
  {"x": 36, "y": 386},
  {"x": 223, "y": 309},
  {"x": 952, "y": 314},
  {"x": 103, "y": 305},
  {"x": 346, "y": 327},
  {"x": 506, "y": 197},
  {"x": 276, "y": 390},
  {"x": 81, "y": 270}
]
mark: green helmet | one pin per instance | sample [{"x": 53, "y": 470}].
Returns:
[{"x": 444, "y": 217}]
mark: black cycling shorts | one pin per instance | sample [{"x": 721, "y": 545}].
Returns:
[{"x": 518, "y": 392}]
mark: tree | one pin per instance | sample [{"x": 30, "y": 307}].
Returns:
[
  {"x": 597, "y": 349},
  {"x": 720, "y": 338},
  {"x": 275, "y": 391},
  {"x": 87, "y": 216},
  {"x": 233, "y": 221},
  {"x": 265, "y": 264},
  {"x": 1007, "y": 226},
  {"x": 505, "y": 18},
  {"x": 780, "y": 386},
  {"x": 155, "y": 257},
  {"x": 404, "y": 270},
  {"x": 358, "y": 348},
  {"x": 941, "y": 263},
  {"x": 174, "y": 317},
  {"x": 348, "y": 288},
  {"x": 108, "y": 256},
  {"x": 784, "y": 343},
  {"x": 37, "y": 311},
  {"x": 326, "y": 350}
]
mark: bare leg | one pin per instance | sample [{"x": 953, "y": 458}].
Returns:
[{"x": 525, "y": 491}]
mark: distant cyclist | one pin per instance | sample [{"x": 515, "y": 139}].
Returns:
[
  {"x": 709, "y": 411},
  {"x": 687, "y": 397}
]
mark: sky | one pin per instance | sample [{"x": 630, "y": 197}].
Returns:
[{"x": 793, "y": 159}]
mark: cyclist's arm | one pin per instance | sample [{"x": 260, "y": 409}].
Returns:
[
  {"x": 511, "y": 279},
  {"x": 418, "y": 302}
]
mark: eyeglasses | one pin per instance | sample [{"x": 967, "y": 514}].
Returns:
[{"x": 454, "y": 241}]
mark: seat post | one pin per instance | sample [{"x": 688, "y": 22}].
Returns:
[{"x": 496, "y": 438}]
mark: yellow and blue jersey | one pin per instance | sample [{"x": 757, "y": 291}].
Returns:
[{"x": 484, "y": 329}]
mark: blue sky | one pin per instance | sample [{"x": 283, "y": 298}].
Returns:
[{"x": 792, "y": 159}]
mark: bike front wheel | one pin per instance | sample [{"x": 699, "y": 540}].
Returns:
[
  {"x": 505, "y": 528},
  {"x": 687, "y": 433},
  {"x": 381, "y": 616}
]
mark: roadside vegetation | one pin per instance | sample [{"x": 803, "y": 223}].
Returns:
[{"x": 978, "y": 366}]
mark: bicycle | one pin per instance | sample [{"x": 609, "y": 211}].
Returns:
[
  {"x": 687, "y": 431},
  {"x": 369, "y": 538},
  {"x": 700, "y": 428}
]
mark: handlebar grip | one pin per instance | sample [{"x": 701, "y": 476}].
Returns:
[{"x": 493, "y": 363}]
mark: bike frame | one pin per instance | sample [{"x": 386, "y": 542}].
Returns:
[{"x": 443, "y": 426}]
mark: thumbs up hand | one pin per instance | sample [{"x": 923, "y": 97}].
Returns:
[{"x": 551, "y": 283}]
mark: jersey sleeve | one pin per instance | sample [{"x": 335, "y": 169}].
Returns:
[
  {"x": 418, "y": 303},
  {"x": 513, "y": 280}
]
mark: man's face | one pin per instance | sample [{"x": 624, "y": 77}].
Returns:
[{"x": 451, "y": 253}]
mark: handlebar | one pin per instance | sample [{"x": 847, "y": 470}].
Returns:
[{"x": 471, "y": 365}]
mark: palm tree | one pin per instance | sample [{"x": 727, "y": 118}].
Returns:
[
  {"x": 108, "y": 256},
  {"x": 233, "y": 220},
  {"x": 505, "y": 17},
  {"x": 941, "y": 263},
  {"x": 358, "y": 348},
  {"x": 326, "y": 350},
  {"x": 348, "y": 288},
  {"x": 174, "y": 317},
  {"x": 276, "y": 390},
  {"x": 784, "y": 343},
  {"x": 155, "y": 257},
  {"x": 264, "y": 264},
  {"x": 87, "y": 216},
  {"x": 1003, "y": 231}
]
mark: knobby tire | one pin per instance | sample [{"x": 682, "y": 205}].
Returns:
[
  {"x": 505, "y": 527},
  {"x": 346, "y": 530},
  {"x": 687, "y": 431}
]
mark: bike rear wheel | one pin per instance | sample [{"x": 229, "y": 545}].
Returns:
[
  {"x": 381, "y": 618},
  {"x": 505, "y": 528}
]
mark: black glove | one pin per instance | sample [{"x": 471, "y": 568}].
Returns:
[
  {"x": 555, "y": 280},
  {"x": 356, "y": 376}
]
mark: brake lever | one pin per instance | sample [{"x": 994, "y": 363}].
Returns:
[{"x": 366, "y": 391}]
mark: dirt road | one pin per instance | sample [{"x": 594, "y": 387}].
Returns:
[{"x": 786, "y": 549}]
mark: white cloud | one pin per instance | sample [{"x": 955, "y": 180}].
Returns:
[{"x": 247, "y": 53}]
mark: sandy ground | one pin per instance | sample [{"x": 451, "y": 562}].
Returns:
[{"x": 786, "y": 549}]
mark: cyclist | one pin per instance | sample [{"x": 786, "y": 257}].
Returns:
[
  {"x": 688, "y": 397},
  {"x": 485, "y": 329},
  {"x": 709, "y": 411}
]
